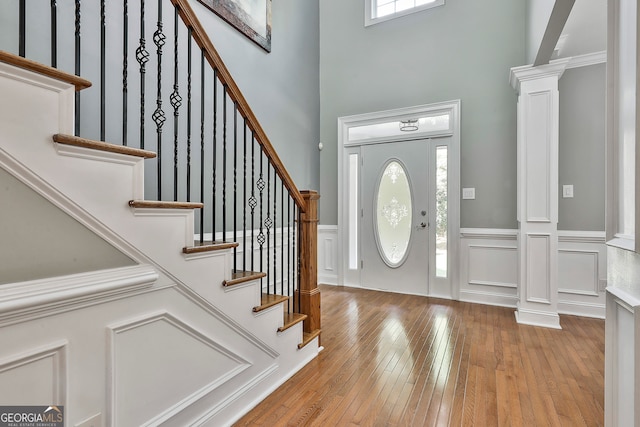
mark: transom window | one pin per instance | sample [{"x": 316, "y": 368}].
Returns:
[{"x": 383, "y": 10}]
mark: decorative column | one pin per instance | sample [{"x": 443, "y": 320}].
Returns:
[
  {"x": 538, "y": 134},
  {"x": 308, "y": 288}
]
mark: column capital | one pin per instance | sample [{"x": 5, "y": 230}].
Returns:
[{"x": 529, "y": 72}]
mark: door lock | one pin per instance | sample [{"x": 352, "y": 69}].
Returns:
[{"x": 422, "y": 225}]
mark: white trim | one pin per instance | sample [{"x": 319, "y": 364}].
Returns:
[
  {"x": 622, "y": 242},
  {"x": 203, "y": 419},
  {"x": 65, "y": 91},
  {"x": 385, "y": 116},
  {"x": 587, "y": 59},
  {"x": 488, "y": 298},
  {"x": 328, "y": 262},
  {"x": 370, "y": 4},
  {"x": 529, "y": 72},
  {"x": 187, "y": 329},
  {"x": 489, "y": 233},
  {"x": 451, "y": 107},
  {"x": 584, "y": 309},
  {"x": 85, "y": 153},
  {"x": 38, "y": 298},
  {"x": 569, "y": 236},
  {"x": 57, "y": 351},
  {"x": 544, "y": 319},
  {"x": 630, "y": 300},
  {"x": 594, "y": 254}
]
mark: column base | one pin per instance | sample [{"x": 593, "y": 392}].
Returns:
[{"x": 538, "y": 318}]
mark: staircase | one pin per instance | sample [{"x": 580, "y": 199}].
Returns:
[{"x": 184, "y": 337}]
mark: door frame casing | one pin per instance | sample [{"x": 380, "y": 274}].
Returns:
[{"x": 348, "y": 277}]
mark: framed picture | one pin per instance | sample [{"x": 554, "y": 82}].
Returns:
[{"x": 251, "y": 17}]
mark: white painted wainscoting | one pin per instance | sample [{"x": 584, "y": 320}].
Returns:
[
  {"x": 582, "y": 273},
  {"x": 328, "y": 254},
  {"x": 489, "y": 266},
  {"x": 489, "y": 269},
  {"x": 159, "y": 343}
]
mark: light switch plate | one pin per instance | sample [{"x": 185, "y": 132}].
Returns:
[
  {"x": 567, "y": 191},
  {"x": 468, "y": 193}
]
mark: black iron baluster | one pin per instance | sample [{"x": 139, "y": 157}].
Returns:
[
  {"x": 202, "y": 91},
  {"x": 224, "y": 163},
  {"x": 158, "y": 115},
  {"x": 215, "y": 153},
  {"x": 235, "y": 184},
  {"x": 282, "y": 237},
  {"x": 103, "y": 72},
  {"x": 296, "y": 308},
  {"x": 54, "y": 33},
  {"x": 77, "y": 66},
  {"x": 176, "y": 102},
  {"x": 260, "y": 184},
  {"x": 189, "y": 66},
  {"x": 244, "y": 195},
  {"x": 289, "y": 251},
  {"x": 125, "y": 70},
  {"x": 275, "y": 231},
  {"x": 267, "y": 221},
  {"x": 22, "y": 28},
  {"x": 252, "y": 200},
  {"x": 142, "y": 56}
]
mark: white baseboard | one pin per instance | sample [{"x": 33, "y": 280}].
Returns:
[
  {"x": 582, "y": 309},
  {"x": 489, "y": 298}
]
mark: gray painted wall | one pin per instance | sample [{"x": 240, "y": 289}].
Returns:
[
  {"x": 282, "y": 87},
  {"x": 537, "y": 16},
  {"x": 39, "y": 240},
  {"x": 463, "y": 50},
  {"x": 582, "y": 147}
]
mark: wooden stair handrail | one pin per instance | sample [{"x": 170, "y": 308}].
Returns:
[{"x": 200, "y": 36}]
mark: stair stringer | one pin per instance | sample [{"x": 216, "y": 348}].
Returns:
[{"x": 95, "y": 188}]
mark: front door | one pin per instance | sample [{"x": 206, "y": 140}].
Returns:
[{"x": 395, "y": 216}]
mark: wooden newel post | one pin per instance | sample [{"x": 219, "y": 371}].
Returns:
[{"x": 308, "y": 287}]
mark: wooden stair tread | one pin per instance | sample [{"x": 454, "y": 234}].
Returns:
[
  {"x": 164, "y": 205},
  {"x": 269, "y": 300},
  {"x": 45, "y": 70},
  {"x": 243, "y": 276},
  {"x": 291, "y": 319},
  {"x": 307, "y": 337},
  {"x": 102, "y": 146},
  {"x": 209, "y": 246}
]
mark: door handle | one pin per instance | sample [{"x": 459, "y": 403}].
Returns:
[{"x": 422, "y": 226}]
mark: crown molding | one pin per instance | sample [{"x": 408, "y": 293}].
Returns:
[
  {"x": 587, "y": 59},
  {"x": 529, "y": 72}
]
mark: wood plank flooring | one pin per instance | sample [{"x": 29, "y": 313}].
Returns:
[{"x": 402, "y": 360}]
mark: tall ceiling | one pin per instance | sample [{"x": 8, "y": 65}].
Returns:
[{"x": 585, "y": 30}]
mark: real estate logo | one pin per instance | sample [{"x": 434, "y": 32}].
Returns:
[{"x": 31, "y": 416}]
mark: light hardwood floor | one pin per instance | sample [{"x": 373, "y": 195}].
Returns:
[{"x": 404, "y": 360}]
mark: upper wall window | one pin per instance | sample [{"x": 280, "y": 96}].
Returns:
[{"x": 383, "y": 10}]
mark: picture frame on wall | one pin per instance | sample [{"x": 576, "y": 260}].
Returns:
[{"x": 251, "y": 17}]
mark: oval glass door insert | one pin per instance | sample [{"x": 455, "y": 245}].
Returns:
[{"x": 393, "y": 214}]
